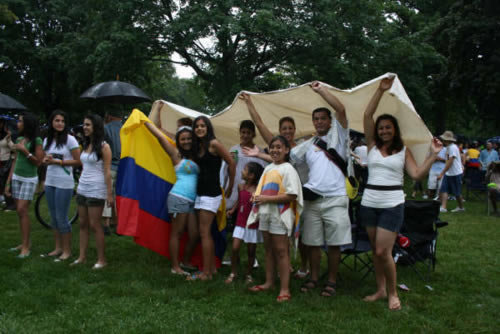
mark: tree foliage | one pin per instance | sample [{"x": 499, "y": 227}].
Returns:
[{"x": 445, "y": 52}]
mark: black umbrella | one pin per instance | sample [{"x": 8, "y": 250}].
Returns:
[
  {"x": 8, "y": 103},
  {"x": 116, "y": 92}
]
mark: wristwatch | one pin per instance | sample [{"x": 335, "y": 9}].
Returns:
[{"x": 29, "y": 155}]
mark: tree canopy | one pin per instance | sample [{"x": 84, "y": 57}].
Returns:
[{"x": 445, "y": 52}]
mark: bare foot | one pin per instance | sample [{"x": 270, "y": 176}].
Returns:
[
  {"x": 55, "y": 253},
  {"x": 394, "y": 303},
  {"x": 376, "y": 296}
]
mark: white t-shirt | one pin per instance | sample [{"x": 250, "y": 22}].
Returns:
[
  {"x": 59, "y": 176},
  {"x": 456, "y": 167},
  {"x": 361, "y": 152},
  {"x": 241, "y": 161},
  {"x": 325, "y": 178}
]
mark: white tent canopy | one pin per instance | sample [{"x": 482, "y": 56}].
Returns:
[{"x": 299, "y": 102}]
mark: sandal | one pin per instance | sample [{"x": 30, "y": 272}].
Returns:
[
  {"x": 329, "y": 289},
  {"x": 309, "y": 285},
  {"x": 198, "y": 277},
  {"x": 299, "y": 274},
  {"x": 230, "y": 278},
  {"x": 257, "y": 288},
  {"x": 283, "y": 298}
]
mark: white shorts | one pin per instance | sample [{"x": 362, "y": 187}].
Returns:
[
  {"x": 433, "y": 183},
  {"x": 208, "y": 203},
  {"x": 249, "y": 236},
  {"x": 272, "y": 224},
  {"x": 326, "y": 220}
]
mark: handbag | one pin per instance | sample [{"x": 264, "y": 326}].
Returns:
[{"x": 351, "y": 183}]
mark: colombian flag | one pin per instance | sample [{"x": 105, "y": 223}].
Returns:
[{"x": 145, "y": 176}]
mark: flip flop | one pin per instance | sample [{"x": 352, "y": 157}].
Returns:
[
  {"x": 257, "y": 288},
  {"x": 230, "y": 278},
  {"x": 284, "y": 298}
]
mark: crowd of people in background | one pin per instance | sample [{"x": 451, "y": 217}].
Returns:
[{"x": 268, "y": 191}]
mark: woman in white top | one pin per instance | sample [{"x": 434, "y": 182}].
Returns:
[
  {"x": 382, "y": 205},
  {"x": 94, "y": 187},
  {"x": 62, "y": 153}
]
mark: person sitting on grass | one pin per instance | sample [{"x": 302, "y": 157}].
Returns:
[
  {"x": 493, "y": 179},
  {"x": 278, "y": 204},
  {"x": 23, "y": 174},
  {"x": 251, "y": 236}
]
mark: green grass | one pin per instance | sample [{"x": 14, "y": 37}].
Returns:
[{"x": 136, "y": 293}]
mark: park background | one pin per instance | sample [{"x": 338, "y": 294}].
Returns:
[{"x": 446, "y": 53}]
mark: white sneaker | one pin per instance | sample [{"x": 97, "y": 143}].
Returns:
[
  {"x": 255, "y": 263},
  {"x": 457, "y": 209},
  {"x": 441, "y": 209}
]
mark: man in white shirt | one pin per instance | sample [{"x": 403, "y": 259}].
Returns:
[
  {"x": 325, "y": 214},
  {"x": 451, "y": 173}
]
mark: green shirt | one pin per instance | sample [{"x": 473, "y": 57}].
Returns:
[{"x": 24, "y": 167}]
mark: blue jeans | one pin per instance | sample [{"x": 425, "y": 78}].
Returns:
[{"x": 59, "y": 201}]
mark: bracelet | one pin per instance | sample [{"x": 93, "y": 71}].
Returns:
[{"x": 29, "y": 156}]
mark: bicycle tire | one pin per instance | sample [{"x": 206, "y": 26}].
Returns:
[{"x": 42, "y": 211}]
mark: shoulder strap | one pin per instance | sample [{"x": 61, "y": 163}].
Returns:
[{"x": 332, "y": 155}]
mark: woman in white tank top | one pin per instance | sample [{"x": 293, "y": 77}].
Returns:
[
  {"x": 382, "y": 205},
  {"x": 94, "y": 187}
]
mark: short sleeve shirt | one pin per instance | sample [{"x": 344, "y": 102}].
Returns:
[
  {"x": 61, "y": 176},
  {"x": 456, "y": 166},
  {"x": 24, "y": 167}
]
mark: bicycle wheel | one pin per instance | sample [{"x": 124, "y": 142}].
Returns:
[{"x": 42, "y": 212}]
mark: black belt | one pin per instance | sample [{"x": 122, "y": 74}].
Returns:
[{"x": 386, "y": 188}]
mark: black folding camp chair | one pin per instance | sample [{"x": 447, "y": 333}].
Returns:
[
  {"x": 359, "y": 250},
  {"x": 421, "y": 224},
  {"x": 475, "y": 184}
]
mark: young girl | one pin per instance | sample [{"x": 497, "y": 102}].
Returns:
[
  {"x": 208, "y": 154},
  {"x": 251, "y": 174},
  {"x": 183, "y": 194},
  {"x": 23, "y": 174},
  {"x": 94, "y": 187},
  {"x": 62, "y": 153},
  {"x": 279, "y": 201}
]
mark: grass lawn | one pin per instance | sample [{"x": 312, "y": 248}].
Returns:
[{"x": 137, "y": 294}]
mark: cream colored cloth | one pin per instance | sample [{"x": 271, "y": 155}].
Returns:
[{"x": 299, "y": 102}]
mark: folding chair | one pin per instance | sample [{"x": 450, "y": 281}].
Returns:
[
  {"x": 475, "y": 183},
  {"x": 420, "y": 226},
  {"x": 360, "y": 248}
]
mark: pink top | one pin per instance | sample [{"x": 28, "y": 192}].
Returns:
[{"x": 244, "y": 208}]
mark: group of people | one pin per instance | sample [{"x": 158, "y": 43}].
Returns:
[
  {"x": 268, "y": 191},
  {"x": 61, "y": 153}
]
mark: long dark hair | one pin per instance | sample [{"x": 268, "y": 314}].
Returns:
[
  {"x": 255, "y": 169},
  {"x": 397, "y": 143},
  {"x": 284, "y": 142},
  {"x": 60, "y": 137},
  {"x": 199, "y": 143},
  {"x": 30, "y": 130},
  {"x": 184, "y": 153},
  {"x": 3, "y": 133},
  {"x": 97, "y": 137}
]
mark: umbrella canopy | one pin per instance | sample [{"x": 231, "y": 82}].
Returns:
[
  {"x": 8, "y": 103},
  {"x": 116, "y": 92}
]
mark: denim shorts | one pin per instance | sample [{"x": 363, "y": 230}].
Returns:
[
  {"x": 178, "y": 204},
  {"x": 390, "y": 219},
  {"x": 452, "y": 185},
  {"x": 89, "y": 201}
]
